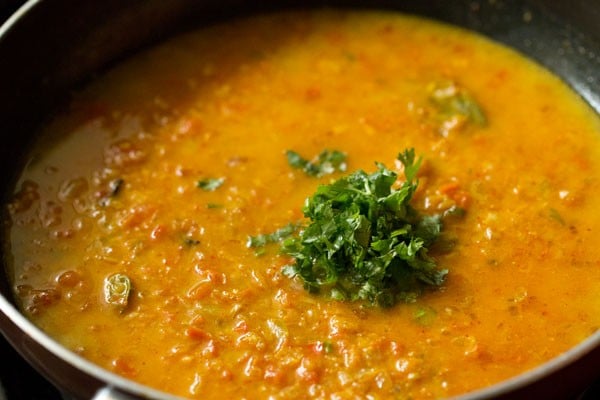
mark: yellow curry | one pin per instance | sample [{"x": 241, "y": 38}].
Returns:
[{"x": 133, "y": 223}]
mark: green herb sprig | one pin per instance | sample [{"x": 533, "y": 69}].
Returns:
[
  {"x": 210, "y": 184},
  {"x": 365, "y": 241},
  {"x": 258, "y": 242},
  {"x": 327, "y": 162}
]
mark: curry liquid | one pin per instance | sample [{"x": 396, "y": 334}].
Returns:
[{"x": 113, "y": 188}]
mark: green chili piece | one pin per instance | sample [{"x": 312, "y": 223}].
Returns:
[{"x": 117, "y": 289}]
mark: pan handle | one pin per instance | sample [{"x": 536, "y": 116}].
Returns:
[{"x": 110, "y": 393}]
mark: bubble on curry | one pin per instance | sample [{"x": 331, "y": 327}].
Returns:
[{"x": 130, "y": 223}]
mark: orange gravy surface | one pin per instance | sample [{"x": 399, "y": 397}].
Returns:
[{"x": 113, "y": 188}]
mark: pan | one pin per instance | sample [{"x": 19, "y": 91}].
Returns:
[{"x": 49, "y": 48}]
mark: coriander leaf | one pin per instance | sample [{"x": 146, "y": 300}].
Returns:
[
  {"x": 262, "y": 240},
  {"x": 295, "y": 160},
  {"x": 429, "y": 228},
  {"x": 407, "y": 158},
  {"x": 210, "y": 184},
  {"x": 365, "y": 241},
  {"x": 327, "y": 162}
]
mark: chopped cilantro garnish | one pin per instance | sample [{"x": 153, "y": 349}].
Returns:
[
  {"x": 327, "y": 162},
  {"x": 210, "y": 184},
  {"x": 274, "y": 237},
  {"x": 364, "y": 240}
]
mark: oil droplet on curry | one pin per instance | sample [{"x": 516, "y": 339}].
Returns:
[{"x": 131, "y": 223}]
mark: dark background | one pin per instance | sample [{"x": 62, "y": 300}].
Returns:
[
  {"x": 8, "y": 6},
  {"x": 20, "y": 381}
]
